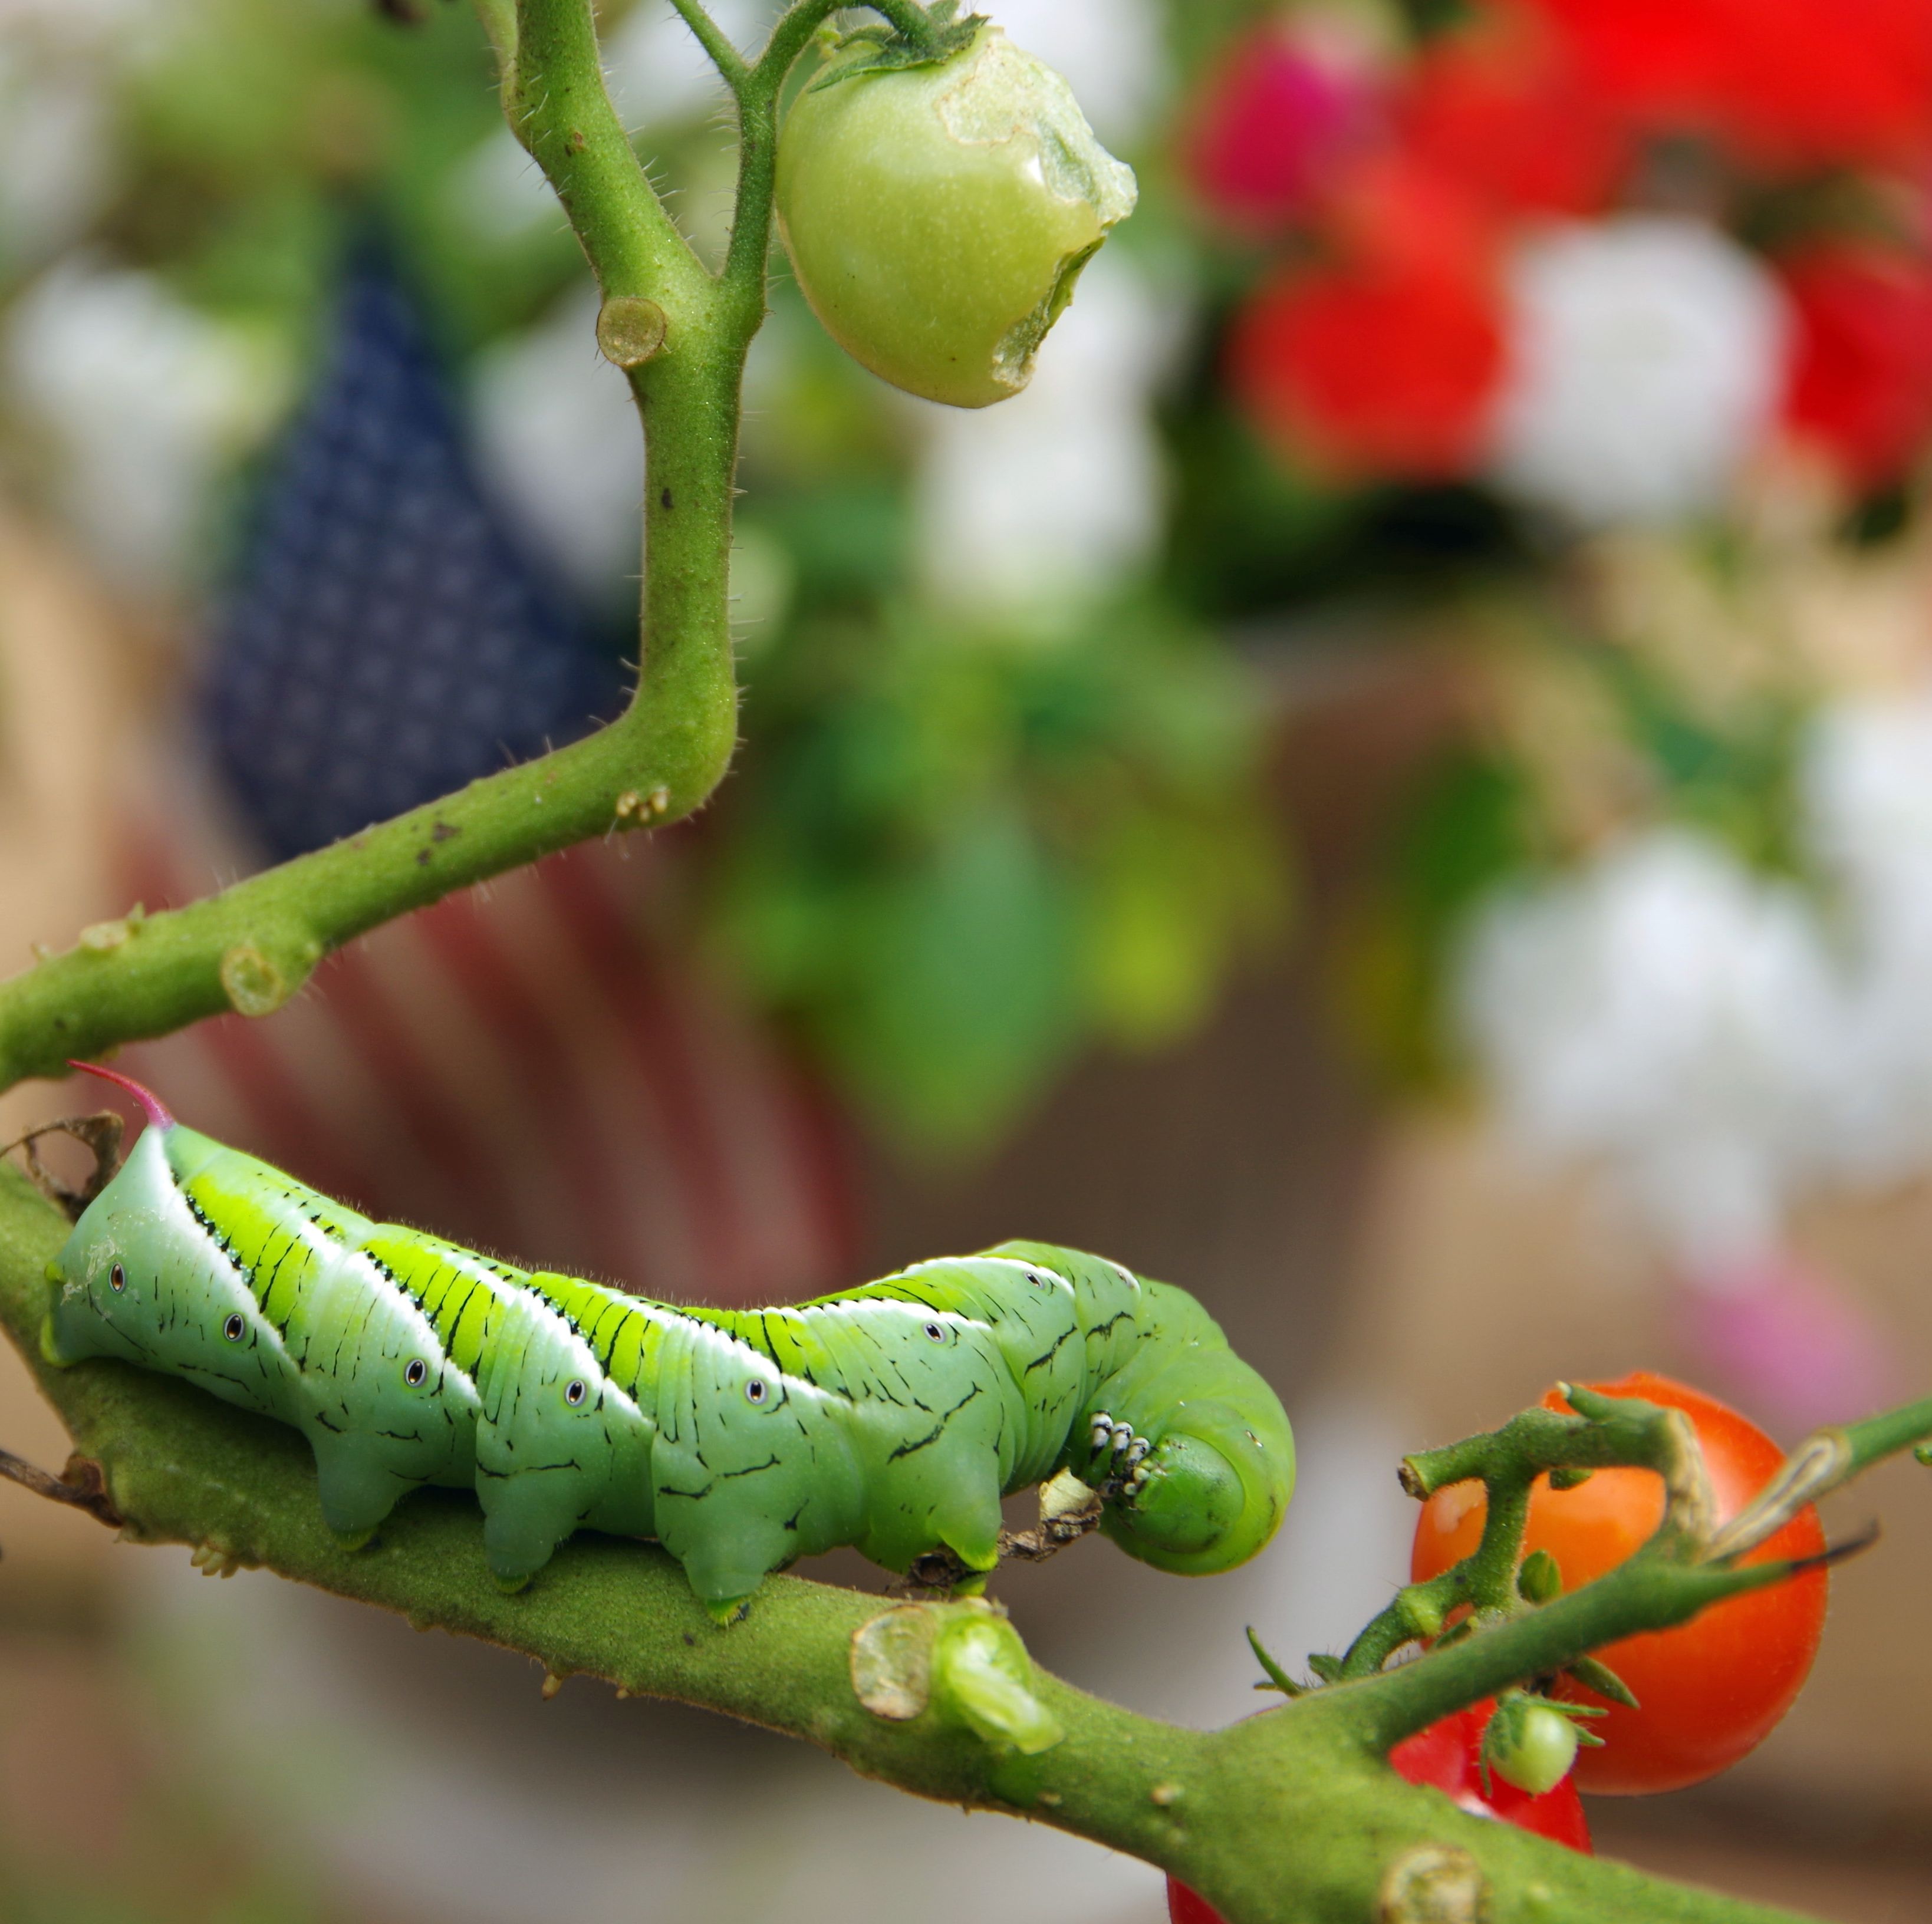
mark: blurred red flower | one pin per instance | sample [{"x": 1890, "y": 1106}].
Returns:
[
  {"x": 1784, "y": 83},
  {"x": 1504, "y": 108},
  {"x": 1279, "y": 114},
  {"x": 1860, "y": 383},
  {"x": 1384, "y": 358}
]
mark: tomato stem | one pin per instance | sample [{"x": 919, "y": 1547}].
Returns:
[
  {"x": 1606, "y": 1432},
  {"x": 1685, "y": 1567},
  {"x": 1824, "y": 1460},
  {"x": 726, "y": 58}
]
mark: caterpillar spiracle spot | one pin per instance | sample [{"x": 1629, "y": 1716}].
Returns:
[{"x": 893, "y": 1417}]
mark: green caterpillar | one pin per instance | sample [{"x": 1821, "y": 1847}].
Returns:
[{"x": 893, "y": 1417}]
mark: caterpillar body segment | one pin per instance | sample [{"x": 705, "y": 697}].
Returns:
[{"x": 893, "y": 1417}]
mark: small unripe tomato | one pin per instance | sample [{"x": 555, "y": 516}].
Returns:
[
  {"x": 1531, "y": 1745},
  {"x": 938, "y": 216},
  {"x": 1448, "y": 1755}
]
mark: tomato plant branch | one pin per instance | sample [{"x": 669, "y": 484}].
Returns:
[
  {"x": 1686, "y": 1566},
  {"x": 1283, "y": 1818},
  {"x": 556, "y": 103},
  {"x": 499, "y": 22},
  {"x": 251, "y": 947},
  {"x": 908, "y": 19},
  {"x": 1655, "y": 1590},
  {"x": 726, "y": 58},
  {"x": 1607, "y": 1431},
  {"x": 1821, "y": 1463}
]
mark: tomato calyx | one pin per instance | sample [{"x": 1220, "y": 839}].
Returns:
[{"x": 884, "y": 49}]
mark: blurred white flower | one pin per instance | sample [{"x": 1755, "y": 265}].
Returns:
[
  {"x": 143, "y": 401},
  {"x": 55, "y": 157},
  {"x": 1866, "y": 792},
  {"x": 1646, "y": 359},
  {"x": 558, "y": 443},
  {"x": 1110, "y": 52},
  {"x": 1055, "y": 495},
  {"x": 1868, "y": 798},
  {"x": 1676, "y": 1016},
  {"x": 1723, "y": 1041}
]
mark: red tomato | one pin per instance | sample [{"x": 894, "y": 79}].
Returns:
[
  {"x": 1712, "y": 1689},
  {"x": 1445, "y": 1755}
]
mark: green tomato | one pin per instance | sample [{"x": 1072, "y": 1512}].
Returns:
[
  {"x": 938, "y": 216},
  {"x": 1530, "y": 1744}
]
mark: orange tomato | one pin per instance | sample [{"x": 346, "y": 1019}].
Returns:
[{"x": 1713, "y": 1689}]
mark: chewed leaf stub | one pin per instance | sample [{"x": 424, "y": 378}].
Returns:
[{"x": 892, "y": 1662}]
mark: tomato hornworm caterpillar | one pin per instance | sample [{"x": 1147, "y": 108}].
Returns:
[{"x": 893, "y": 1417}]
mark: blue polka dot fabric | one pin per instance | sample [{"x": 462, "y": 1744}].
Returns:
[{"x": 387, "y": 639}]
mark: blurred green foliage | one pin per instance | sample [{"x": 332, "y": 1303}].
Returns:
[
  {"x": 958, "y": 849},
  {"x": 1468, "y": 821},
  {"x": 1730, "y": 770},
  {"x": 956, "y": 856},
  {"x": 1475, "y": 817},
  {"x": 256, "y": 135}
]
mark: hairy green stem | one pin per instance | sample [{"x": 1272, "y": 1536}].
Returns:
[
  {"x": 726, "y": 58},
  {"x": 793, "y": 33},
  {"x": 500, "y": 23},
  {"x": 555, "y": 98},
  {"x": 250, "y": 947}
]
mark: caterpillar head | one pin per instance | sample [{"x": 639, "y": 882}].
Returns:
[
  {"x": 1190, "y": 1444},
  {"x": 1202, "y": 1506}
]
